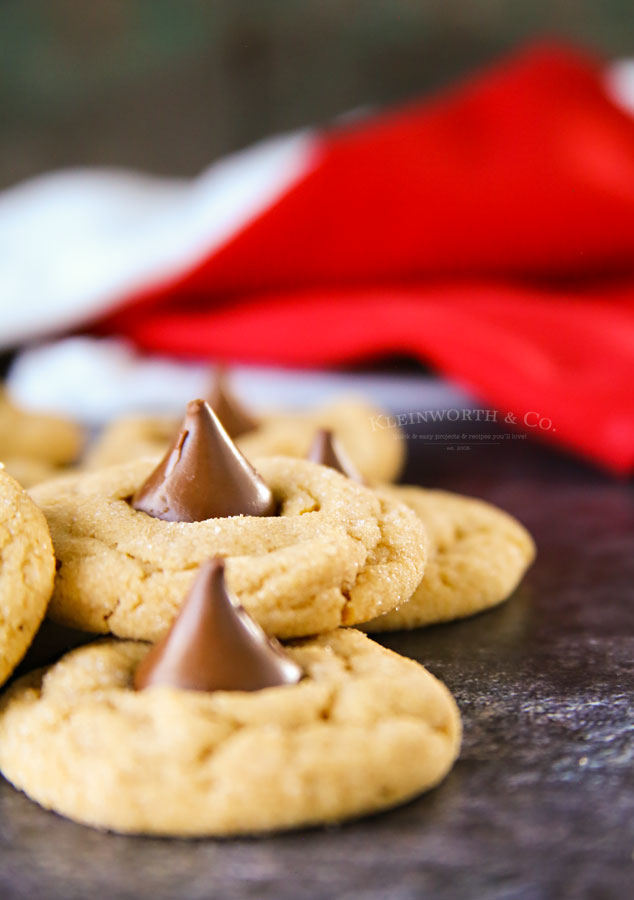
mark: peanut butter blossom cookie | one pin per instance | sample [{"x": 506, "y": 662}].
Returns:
[
  {"x": 27, "y": 569},
  {"x": 477, "y": 553},
  {"x": 33, "y": 446},
  {"x": 377, "y": 452},
  {"x": 218, "y": 731},
  {"x": 306, "y": 549}
]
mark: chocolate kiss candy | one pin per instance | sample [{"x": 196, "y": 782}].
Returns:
[
  {"x": 235, "y": 419},
  {"x": 214, "y": 645},
  {"x": 327, "y": 451},
  {"x": 203, "y": 476}
]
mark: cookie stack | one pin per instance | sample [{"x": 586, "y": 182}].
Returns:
[{"x": 233, "y": 696}]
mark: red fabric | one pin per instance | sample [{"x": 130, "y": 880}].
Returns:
[{"x": 446, "y": 230}]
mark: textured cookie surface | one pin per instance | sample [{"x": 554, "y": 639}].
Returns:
[
  {"x": 49, "y": 439},
  {"x": 364, "y": 730},
  {"x": 477, "y": 557},
  {"x": 337, "y": 553},
  {"x": 27, "y": 569},
  {"x": 377, "y": 451}
]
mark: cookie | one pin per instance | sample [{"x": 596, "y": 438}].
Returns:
[
  {"x": 27, "y": 570},
  {"x": 364, "y": 730},
  {"x": 130, "y": 438},
  {"x": 29, "y": 472},
  {"x": 377, "y": 452},
  {"x": 336, "y": 552},
  {"x": 29, "y": 436},
  {"x": 478, "y": 554}
]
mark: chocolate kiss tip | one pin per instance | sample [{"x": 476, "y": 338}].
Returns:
[
  {"x": 327, "y": 451},
  {"x": 203, "y": 475},
  {"x": 235, "y": 418},
  {"x": 214, "y": 645}
]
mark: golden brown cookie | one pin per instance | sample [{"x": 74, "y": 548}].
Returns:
[
  {"x": 47, "y": 439},
  {"x": 29, "y": 472},
  {"x": 364, "y": 730},
  {"x": 478, "y": 554},
  {"x": 336, "y": 553},
  {"x": 130, "y": 438},
  {"x": 377, "y": 452},
  {"x": 27, "y": 569}
]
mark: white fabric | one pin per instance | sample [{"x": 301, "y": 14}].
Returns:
[
  {"x": 619, "y": 81},
  {"x": 73, "y": 243},
  {"x": 96, "y": 380}
]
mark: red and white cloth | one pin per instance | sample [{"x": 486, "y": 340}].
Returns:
[{"x": 488, "y": 230}]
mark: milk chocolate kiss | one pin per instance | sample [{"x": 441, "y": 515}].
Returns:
[
  {"x": 203, "y": 476},
  {"x": 214, "y": 645},
  {"x": 234, "y": 417},
  {"x": 326, "y": 450}
]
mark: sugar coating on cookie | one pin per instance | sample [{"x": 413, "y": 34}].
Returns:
[
  {"x": 364, "y": 730},
  {"x": 478, "y": 554},
  {"x": 378, "y": 451},
  {"x": 27, "y": 570},
  {"x": 337, "y": 552}
]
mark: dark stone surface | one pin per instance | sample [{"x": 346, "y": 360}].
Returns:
[{"x": 541, "y": 802}]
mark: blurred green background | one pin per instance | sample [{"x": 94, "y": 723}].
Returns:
[{"x": 169, "y": 86}]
